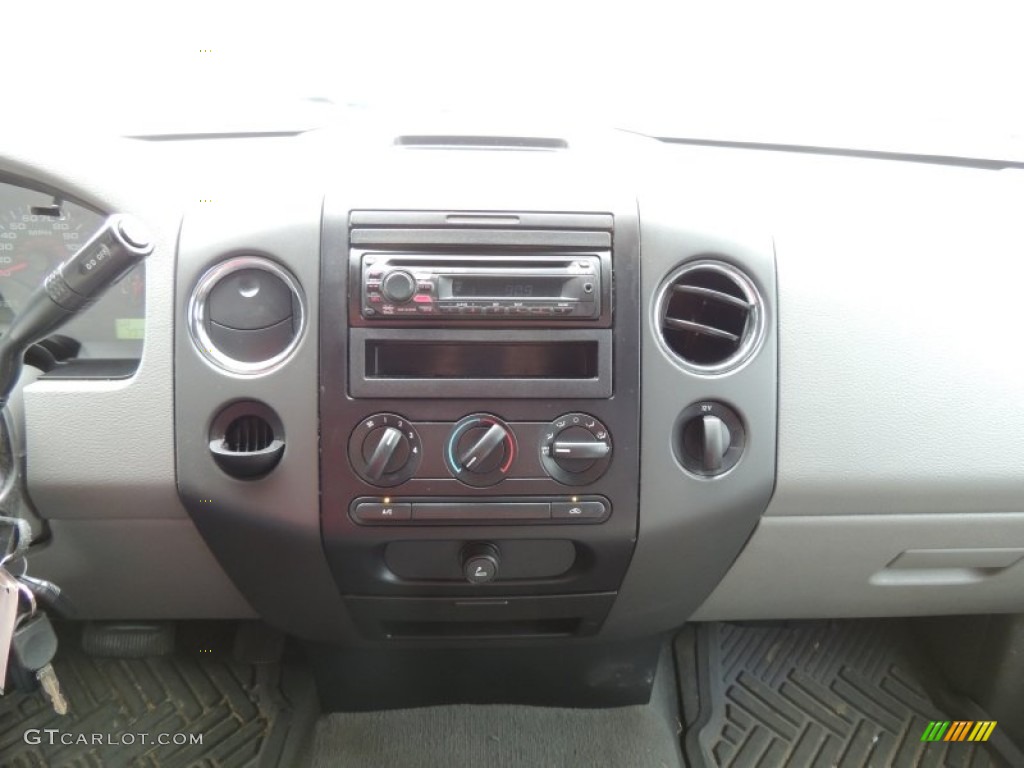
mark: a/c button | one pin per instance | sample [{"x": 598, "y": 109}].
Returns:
[{"x": 372, "y": 512}]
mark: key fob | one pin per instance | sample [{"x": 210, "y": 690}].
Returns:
[{"x": 35, "y": 642}]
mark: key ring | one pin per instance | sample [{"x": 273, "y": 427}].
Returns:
[
  {"x": 19, "y": 543},
  {"x": 33, "y": 605}
]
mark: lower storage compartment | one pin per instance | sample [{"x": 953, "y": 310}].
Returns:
[
  {"x": 549, "y": 670},
  {"x": 479, "y": 618}
]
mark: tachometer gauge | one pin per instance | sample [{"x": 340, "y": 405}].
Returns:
[{"x": 33, "y": 240}]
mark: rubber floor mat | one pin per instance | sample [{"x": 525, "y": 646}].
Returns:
[
  {"x": 121, "y": 708},
  {"x": 840, "y": 693}
]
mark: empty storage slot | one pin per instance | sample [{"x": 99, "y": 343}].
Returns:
[
  {"x": 427, "y": 630},
  {"x": 474, "y": 360},
  {"x": 484, "y": 618}
]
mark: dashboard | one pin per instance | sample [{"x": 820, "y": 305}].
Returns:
[
  {"x": 38, "y": 230},
  {"x": 419, "y": 388}
]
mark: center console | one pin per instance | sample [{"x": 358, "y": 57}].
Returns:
[
  {"x": 479, "y": 420},
  {"x": 409, "y": 421}
]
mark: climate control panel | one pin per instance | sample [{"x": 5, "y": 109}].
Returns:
[{"x": 480, "y": 450}]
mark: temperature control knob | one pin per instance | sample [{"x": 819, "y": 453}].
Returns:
[
  {"x": 576, "y": 449},
  {"x": 481, "y": 450},
  {"x": 385, "y": 450}
]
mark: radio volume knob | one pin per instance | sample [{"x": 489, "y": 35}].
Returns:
[{"x": 398, "y": 286}]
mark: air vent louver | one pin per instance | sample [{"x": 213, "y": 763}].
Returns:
[
  {"x": 247, "y": 434},
  {"x": 246, "y": 440},
  {"x": 710, "y": 316}
]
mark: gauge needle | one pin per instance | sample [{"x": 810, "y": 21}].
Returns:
[{"x": 11, "y": 270}]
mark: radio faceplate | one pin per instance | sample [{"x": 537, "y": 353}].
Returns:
[{"x": 443, "y": 287}]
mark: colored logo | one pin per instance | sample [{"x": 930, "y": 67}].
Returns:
[{"x": 958, "y": 730}]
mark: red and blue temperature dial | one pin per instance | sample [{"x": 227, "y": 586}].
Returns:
[{"x": 481, "y": 450}]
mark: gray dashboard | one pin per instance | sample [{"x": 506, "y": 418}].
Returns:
[{"x": 883, "y": 406}]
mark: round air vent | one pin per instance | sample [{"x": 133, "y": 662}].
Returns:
[
  {"x": 710, "y": 316},
  {"x": 247, "y": 440},
  {"x": 246, "y": 315}
]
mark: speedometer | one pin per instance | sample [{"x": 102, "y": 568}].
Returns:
[
  {"x": 39, "y": 230},
  {"x": 33, "y": 240}
]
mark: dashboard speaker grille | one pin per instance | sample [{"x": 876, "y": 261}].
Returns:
[{"x": 709, "y": 316}]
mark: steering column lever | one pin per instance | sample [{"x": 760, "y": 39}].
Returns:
[{"x": 120, "y": 244}]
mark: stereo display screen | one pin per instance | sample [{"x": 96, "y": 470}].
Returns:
[{"x": 505, "y": 287}]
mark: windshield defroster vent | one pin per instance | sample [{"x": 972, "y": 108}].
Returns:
[
  {"x": 710, "y": 316},
  {"x": 482, "y": 142}
]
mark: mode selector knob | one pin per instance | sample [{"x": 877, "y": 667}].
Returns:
[
  {"x": 398, "y": 286},
  {"x": 576, "y": 449}
]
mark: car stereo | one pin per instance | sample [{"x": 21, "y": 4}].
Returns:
[{"x": 533, "y": 286}]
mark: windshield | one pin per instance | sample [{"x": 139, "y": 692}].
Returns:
[{"x": 916, "y": 77}]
